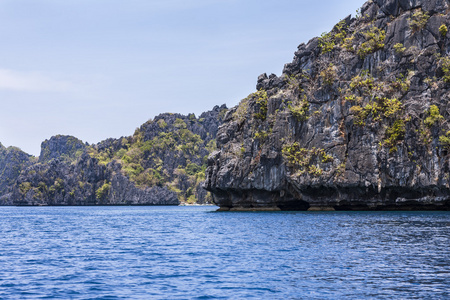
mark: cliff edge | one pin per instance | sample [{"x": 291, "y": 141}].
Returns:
[
  {"x": 162, "y": 163},
  {"x": 359, "y": 120}
]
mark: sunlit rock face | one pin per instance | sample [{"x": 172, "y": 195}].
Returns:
[
  {"x": 162, "y": 163},
  {"x": 359, "y": 120}
]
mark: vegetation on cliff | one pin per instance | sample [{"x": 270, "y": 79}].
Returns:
[
  {"x": 163, "y": 162},
  {"x": 12, "y": 162},
  {"x": 359, "y": 119}
]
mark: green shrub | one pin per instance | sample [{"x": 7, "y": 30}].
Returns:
[
  {"x": 444, "y": 63},
  {"x": 262, "y": 104},
  {"x": 305, "y": 160},
  {"x": 315, "y": 171},
  {"x": 374, "y": 41},
  {"x": 192, "y": 169},
  {"x": 382, "y": 107},
  {"x": 390, "y": 107},
  {"x": 121, "y": 153},
  {"x": 59, "y": 184},
  {"x": 340, "y": 32},
  {"x": 294, "y": 82},
  {"x": 161, "y": 123},
  {"x": 402, "y": 84},
  {"x": 399, "y": 48},
  {"x": 326, "y": 158},
  {"x": 24, "y": 187},
  {"x": 381, "y": 98},
  {"x": 78, "y": 154},
  {"x": 348, "y": 43},
  {"x": 132, "y": 170},
  {"x": 329, "y": 75},
  {"x": 443, "y": 30},
  {"x": 360, "y": 114},
  {"x": 260, "y": 135},
  {"x": 395, "y": 133},
  {"x": 300, "y": 110},
  {"x": 433, "y": 116},
  {"x": 419, "y": 20},
  {"x": 180, "y": 124},
  {"x": 192, "y": 117},
  {"x": 42, "y": 186},
  {"x": 327, "y": 41},
  {"x": 149, "y": 177},
  {"x": 363, "y": 82},
  {"x": 352, "y": 98},
  {"x": 211, "y": 146},
  {"x": 444, "y": 140},
  {"x": 103, "y": 191},
  {"x": 295, "y": 155}
]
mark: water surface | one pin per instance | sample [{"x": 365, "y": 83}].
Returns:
[{"x": 195, "y": 253}]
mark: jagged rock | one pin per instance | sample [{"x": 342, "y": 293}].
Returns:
[
  {"x": 124, "y": 192},
  {"x": 358, "y": 120},
  {"x": 61, "y": 146},
  {"x": 12, "y": 161},
  {"x": 163, "y": 161}
]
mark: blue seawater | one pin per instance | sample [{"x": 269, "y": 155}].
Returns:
[{"x": 196, "y": 253}]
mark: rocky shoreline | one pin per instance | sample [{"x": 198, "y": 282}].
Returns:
[
  {"x": 359, "y": 120},
  {"x": 162, "y": 163}
]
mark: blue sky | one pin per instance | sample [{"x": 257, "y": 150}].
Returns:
[{"x": 100, "y": 68}]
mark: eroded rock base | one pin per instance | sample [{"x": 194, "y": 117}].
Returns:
[{"x": 340, "y": 201}]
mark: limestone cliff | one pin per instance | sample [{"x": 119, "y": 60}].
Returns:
[
  {"x": 358, "y": 121},
  {"x": 162, "y": 163},
  {"x": 12, "y": 162}
]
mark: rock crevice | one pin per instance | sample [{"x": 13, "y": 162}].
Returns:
[{"x": 358, "y": 120}]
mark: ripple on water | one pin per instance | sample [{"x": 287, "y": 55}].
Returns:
[{"x": 192, "y": 253}]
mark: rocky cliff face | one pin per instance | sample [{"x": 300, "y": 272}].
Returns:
[
  {"x": 83, "y": 182},
  {"x": 358, "y": 121},
  {"x": 60, "y": 146},
  {"x": 163, "y": 163},
  {"x": 12, "y": 162}
]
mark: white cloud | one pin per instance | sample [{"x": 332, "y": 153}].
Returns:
[{"x": 31, "y": 81}]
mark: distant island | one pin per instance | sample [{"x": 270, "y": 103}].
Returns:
[
  {"x": 162, "y": 163},
  {"x": 359, "y": 120}
]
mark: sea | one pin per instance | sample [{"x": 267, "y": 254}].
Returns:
[{"x": 184, "y": 252}]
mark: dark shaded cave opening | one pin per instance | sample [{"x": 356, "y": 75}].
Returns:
[{"x": 294, "y": 205}]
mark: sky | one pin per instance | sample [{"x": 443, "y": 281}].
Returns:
[{"x": 96, "y": 69}]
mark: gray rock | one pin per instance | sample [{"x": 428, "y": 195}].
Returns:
[
  {"x": 343, "y": 163},
  {"x": 61, "y": 146},
  {"x": 69, "y": 172},
  {"x": 12, "y": 161}
]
